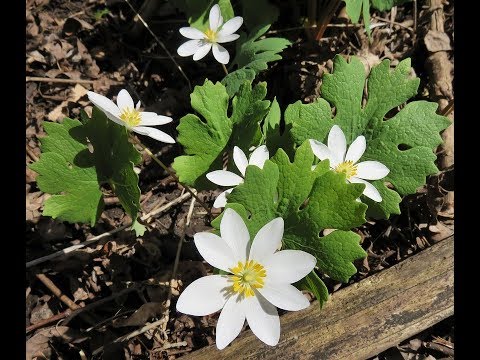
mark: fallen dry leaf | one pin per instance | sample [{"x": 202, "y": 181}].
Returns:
[
  {"x": 59, "y": 112},
  {"x": 142, "y": 315},
  {"x": 437, "y": 41},
  {"x": 38, "y": 344}
]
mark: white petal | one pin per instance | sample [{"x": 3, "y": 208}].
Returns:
[
  {"x": 152, "y": 119},
  {"x": 284, "y": 296},
  {"x": 106, "y": 105},
  {"x": 234, "y": 231},
  {"x": 202, "y": 51},
  {"x": 204, "y": 296},
  {"x": 337, "y": 143},
  {"x": 370, "y": 190},
  {"x": 124, "y": 100},
  {"x": 226, "y": 38},
  {"x": 215, "y": 250},
  {"x": 189, "y": 48},
  {"x": 356, "y": 149},
  {"x": 192, "y": 33},
  {"x": 138, "y": 105},
  {"x": 322, "y": 152},
  {"x": 289, "y": 266},
  {"x": 267, "y": 240},
  {"x": 371, "y": 170},
  {"x": 215, "y": 17},
  {"x": 231, "y": 26},
  {"x": 224, "y": 178},
  {"x": 262, "y": 317},
  {"x": 259, "y": 156},
  {"x": 221, "y": 199},
  {"x": 240, "y": 160},
  {"x": 154, "y": 134},
  {"x": 230, "y": 322},
  {"x": 221, "y": 54}
]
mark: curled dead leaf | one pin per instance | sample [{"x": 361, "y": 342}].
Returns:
[{"x": 39, "y": 344}]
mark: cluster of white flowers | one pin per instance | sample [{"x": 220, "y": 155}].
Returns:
[{"x": 259, "y": 277}]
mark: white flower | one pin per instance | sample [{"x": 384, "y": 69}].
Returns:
[
  {"x": 216, "y": 34},
  {"x": 259, "y": 281},
  {"x": 228, "y": 178},
  {"x": 344, "y": 161},
  {"x": 126, "y": 114}
]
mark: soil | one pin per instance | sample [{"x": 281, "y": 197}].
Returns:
[{"x": 122, "y": 281}]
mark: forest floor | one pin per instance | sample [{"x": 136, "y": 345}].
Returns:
[{"x": 121, "y": 283}]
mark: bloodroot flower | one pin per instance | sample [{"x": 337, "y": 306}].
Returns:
[
  {"x": 258, "y": 282},
  {"x": 126, "y": 114},
  {"x": 216, "y": 34},
  {"x": 228, "y": 178},
  {"x": 344, "y": 161}
]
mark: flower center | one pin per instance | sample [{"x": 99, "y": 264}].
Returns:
[
  {"x": 131, "y": 117},
  {"x": 211, "y": 35},
  {"x": 248, "y": 276},
  {"x": 348, "y": 168}
]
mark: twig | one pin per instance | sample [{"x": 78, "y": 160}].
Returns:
[
  {"x": 171, "y": 173},
  {"x": 100, "y": 302},
  {"x": 393, "y": 22},
  {"x": 105, "y": 234},
  {"x": 31, "y": 153},
  {"x": 57, "y": 292},
  {"x": 311, "y": 27},
  {"x": 74, "y": 247},
  {"x": 166, "y": 206},
  {"x": 448, "y": 109},
  {"x": 177, "y": 259},
  {"x": 60, "y": 81},
  {"x": 439, "y": 347},
  {"x": 48, "y": 321},
  {"x": 170, "y": 345},
  {"x": 161, "y": 44}
]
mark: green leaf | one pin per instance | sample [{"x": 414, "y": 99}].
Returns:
[
  {"x": 273, "y": 136},
  {"x": 309, "y": 202},
  {"x": 235, "y": 79},
  {"x": 313, "y": 283},
  {"x": 206, "y": 140},
  {"x": 355, "y": 8},
  {"x": 76, "y": 195},
  {"x": 253, "y": 54},
  {"x": 73, "y": 174},
  {"x": 403, "y": 143},
  {"x": 198, "y": 11},
  {"x": 385, "y": 5},
  {"x": 138, "y": 228},
  {"x": 258, "y": 12}
]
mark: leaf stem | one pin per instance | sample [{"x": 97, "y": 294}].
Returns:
[
  {"x": 171, "y": 173},
  {"x": 224, "y": 69}
]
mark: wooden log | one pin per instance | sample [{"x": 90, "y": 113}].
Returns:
[{"x": 363, "y": 319}]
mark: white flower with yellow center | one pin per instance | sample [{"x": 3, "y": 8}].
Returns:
[
  {"x": 216, "y": 34},
  {"x": 126, "y": 114},
  {"x": 228, "y": 178},
  {"x": 258, "y": 282},
  {"x": 344, "y": 161}
]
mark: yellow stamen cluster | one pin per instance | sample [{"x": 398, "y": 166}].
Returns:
[
  {"x": 131, "y": 117},
  {"x": 348, "y": 168},
  {"x": 248, "y": 276},
  {"x": 211, "y": 35}
]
